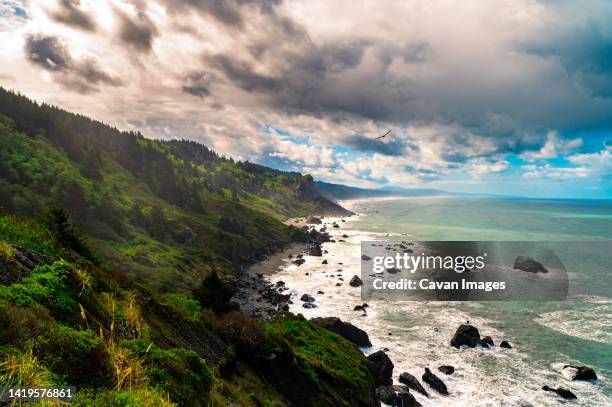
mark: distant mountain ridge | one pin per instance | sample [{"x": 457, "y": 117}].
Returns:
[{"x": 341, "y": 192}]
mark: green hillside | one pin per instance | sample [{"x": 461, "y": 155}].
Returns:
[
  {"x": 115, "y": 257},
  {"x": 164, "y": 212}
]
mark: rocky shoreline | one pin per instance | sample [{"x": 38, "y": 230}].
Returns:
[{"x": 264, "y": 300}]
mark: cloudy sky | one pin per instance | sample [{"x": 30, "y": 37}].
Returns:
[{"x": 507, "y": 97}]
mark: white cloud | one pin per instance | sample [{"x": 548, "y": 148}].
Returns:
[
  {"x": 554, "y": 146},
  {"x": 548, "y": 171}
]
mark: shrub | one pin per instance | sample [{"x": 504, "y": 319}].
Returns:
[
  {"x": 215, "y": 293},
  {"x": 248, "y": 336},
  {"x": 18, "y": 325},
  {"x": 47, "y": 286},
  {"x": 77, "y": 355},
  {"x": 58, "y": 223}
]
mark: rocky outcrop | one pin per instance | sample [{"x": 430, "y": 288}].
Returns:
[
  {"x": 584, "y": 373},
  {"x": 299, "y": 262},
  {"x": 465, "y": 335},
  {"x": 526, "y": 263},
  {"x": 381, "y": 368},
  {"x": 356, "y": 282},
  {"x": 20, "y": 263},
  {"x": 561, "y": 391},
  {"x": 413, "y": 383},
  {"x": 446, "y": 369},
  {"x": 396, "y": 396},
  {"x": 435, "y": 382},
  {"x": 346, "y": 330}
]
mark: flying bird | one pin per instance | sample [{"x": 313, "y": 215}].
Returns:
[{"x": 383, "y": 136}]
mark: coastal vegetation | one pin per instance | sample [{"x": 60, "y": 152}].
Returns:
[{"x": 117, "y": 257}]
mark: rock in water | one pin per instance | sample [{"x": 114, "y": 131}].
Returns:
[
  {"x": 309, "y": 305},
  {"x": 561, "y": 391},
  {"x": 446, "y": 369},
  {"x": 364, "y": 257},
  {"x": 299, "y": 262},
  {"x": 435, "y": 382},
  {"x": 381, "y": 367},
  {"x": 394, "y": 397},
  {"x": 413, "y": 383},
  {"x": 465, "y": 335},
  {"x": 324, "y": 261},
  {"x": 315, "y": 250},
  {"x": 582, "y": 373},
  {"x": 486, "y": 342},
  {"x": 345, "y": 329},
  {"x": 529, "y": 265},
  {"x": 505, "y": 344},
  {"x": 356, "y": 282},
  {"x": 307, "y": 298}
]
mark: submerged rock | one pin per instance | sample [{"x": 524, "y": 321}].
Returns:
[
  {"x": 365, "y": 257},
  {"x": 526, "y": 263},
  {"x": 307, "y": 298},
  {"x": 344, "y": 329},
  {"x": 355, "y": 282},
  {"x": 561, "y": 391},
  {"x": 582, "y": 373},
  {"x": 413, "y": 383},
  {"x": 435, "y": 382},
  {"x": 446, "y": 369},
  {"x": 465, "y": 335},
  {"x": 381, "y": 368}
]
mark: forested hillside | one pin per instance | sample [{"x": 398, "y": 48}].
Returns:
[
  {"x": 116, "y": 258},
  {"x": 146, "y": 205}
]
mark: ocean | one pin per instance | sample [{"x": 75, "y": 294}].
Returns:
[{"x": 545, "y": 335}]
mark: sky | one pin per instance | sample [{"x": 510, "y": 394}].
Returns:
[{"x": 510, "y": 97}]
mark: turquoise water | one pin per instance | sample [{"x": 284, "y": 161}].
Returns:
[{"x": 550, "y": 334}]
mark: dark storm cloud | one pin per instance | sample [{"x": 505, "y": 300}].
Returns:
[
  {"x": 69, "y": 13},
  {"x": 48, "y": 52},
  {"x": 52, "y": 54},
  {"x": 137, "y": 32},
  {"x": 362, "y": 143},
  {"x": 227, "y": 12},
  {"x": 585, "y": 53},
  {"x": 198, "y": 84},
  {"x": 244, "y": 76}
]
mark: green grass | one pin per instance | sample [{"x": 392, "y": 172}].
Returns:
[
  {"x": 327, "y": 359},
  {"x": 27, "y": 233}
]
